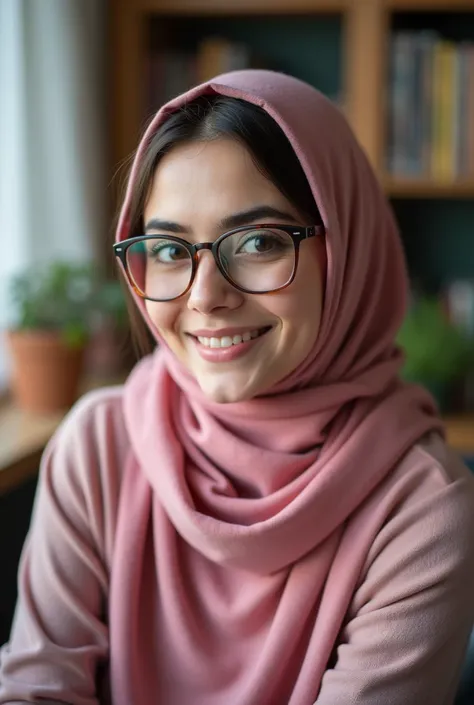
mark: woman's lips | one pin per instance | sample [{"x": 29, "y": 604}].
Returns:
[{"x": 211, "y": 354}]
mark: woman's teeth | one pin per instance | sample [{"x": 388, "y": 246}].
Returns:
[{"x": 227, "y": 341}]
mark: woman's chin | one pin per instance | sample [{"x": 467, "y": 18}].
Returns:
[{"x": 229, "y": 389}]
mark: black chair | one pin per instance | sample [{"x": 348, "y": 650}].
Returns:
[{"x": 465, "y": 695}]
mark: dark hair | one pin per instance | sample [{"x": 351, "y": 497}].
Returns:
[{"x": 205, "y": 119}]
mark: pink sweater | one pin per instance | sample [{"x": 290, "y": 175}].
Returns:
[{"x": 402, "y": 639}]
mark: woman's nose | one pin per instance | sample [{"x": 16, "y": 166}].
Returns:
[{"x": 210, "y": 289}]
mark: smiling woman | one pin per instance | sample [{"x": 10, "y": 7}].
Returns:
[
  {"x": 265, "y": 514},
  {"x": 252, "y": 207},
  {"x": 223, "y": 186}
]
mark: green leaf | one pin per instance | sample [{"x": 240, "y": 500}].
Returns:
[
  {"x": 58, "y": 297},
  {"x": 435, "y": 350},
  {"x": 75, "y": 335}
]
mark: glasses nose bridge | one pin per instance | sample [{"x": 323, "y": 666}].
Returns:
[
  {"x": 204, "y": 246},
  {"x": 217, "y": 269}
]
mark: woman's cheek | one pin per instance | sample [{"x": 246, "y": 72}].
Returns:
[{"x": 164, "y": 317}]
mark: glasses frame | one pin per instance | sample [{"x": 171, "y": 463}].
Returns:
[{"x": 296, "y": 232}]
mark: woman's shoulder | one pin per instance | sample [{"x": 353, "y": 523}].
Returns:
[
  {"x": 429, "y": 496},
  {"x": 425, "y": 503},
  {"x": 83, "y": 465},
  {"x": 96, "y": 421},
  {"x": 437, "y": 464},
  {"x": 432, "y": 476},
  {"x": 423, "y": 519},
  {"x": 104, "y": 402}
]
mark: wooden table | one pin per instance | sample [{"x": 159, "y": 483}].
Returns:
[
  {"x": 22, "y": 441},
  {"x": 23, "y": 438}
]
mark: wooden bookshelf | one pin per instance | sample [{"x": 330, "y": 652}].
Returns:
[
  {"x": 428, "y": 5},
  {"x": 242, "y": 7},
  {"x": 425, "y": 188},
  {"x": 366, "y": 31},
  {"x": 291, "y": 7}
]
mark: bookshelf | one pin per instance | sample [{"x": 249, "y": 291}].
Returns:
[
  {"x": 426, "y": 188},
  {"x": 234, "y": 7},
  {"x": 357, "y": 66},
  {"x": 366, "y": 26}
]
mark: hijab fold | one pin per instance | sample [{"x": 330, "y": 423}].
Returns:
[{"x": 247, "y": 504}]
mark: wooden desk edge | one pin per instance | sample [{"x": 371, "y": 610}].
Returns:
[
  {"x": 21, "y": 470},
  {"x": 25, "y": 465}
]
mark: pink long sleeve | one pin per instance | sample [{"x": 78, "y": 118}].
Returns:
[
  {"x": 59, "y": 638},
  {"x": 405, "y": 636}
]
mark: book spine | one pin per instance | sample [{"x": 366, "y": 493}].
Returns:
[
  {"x": 400, "y": 112},
  {"x": 428, "y": 41},
  {"x": 154, "y": 96},
  {"x": 462, "y": 104},
  {"x": 436, "y": 117},
  {"x": 392, "y": 107},
  {"x": 216, "y": 55},
  {"x": 443, "y": 113},
  {"x": 470, "y": 112},
  {"x": 457, "y": 111},
  {"x": 415, "y": 146},
  {"x": 238, "y": 57}
]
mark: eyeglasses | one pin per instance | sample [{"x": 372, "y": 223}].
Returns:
[{"x": 256, "y": 259}]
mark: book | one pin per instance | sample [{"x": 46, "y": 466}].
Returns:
[
  {"x": 427, "y": 41},
  {"x": 401, "y": 102},
  {"x": 469, "y": 119},
  {"x": 444, "y": 99},
  {"x": 217, "y": 55},
  {"x": 431, "y": 107}
]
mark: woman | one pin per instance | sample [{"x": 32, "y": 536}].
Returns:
[{"x": 264, "y": 514}]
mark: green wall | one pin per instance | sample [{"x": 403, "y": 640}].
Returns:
[
  {"x": 307, "y": 47},
  {"x": 438, "y": 236}
]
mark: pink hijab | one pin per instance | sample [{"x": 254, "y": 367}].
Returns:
[{"x": 232, "y": 575}]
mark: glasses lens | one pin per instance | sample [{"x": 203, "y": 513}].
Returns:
[
  {"x": 159, "y": 267},
  {"x": 258, "y": 260}
]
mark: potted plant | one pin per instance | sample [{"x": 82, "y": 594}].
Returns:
[
  {"x": 437, "y": 353},
  {"x": 52, "y": 306}
]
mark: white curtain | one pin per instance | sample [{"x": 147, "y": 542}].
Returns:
[{"x": 52, "y": 136}]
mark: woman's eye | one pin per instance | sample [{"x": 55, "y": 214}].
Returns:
[
  {"x": 260, "y": 243},
  {"x": 167, "y": 253}
]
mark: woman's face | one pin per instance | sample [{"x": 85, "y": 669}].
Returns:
[{"x": 197, "y": 187}]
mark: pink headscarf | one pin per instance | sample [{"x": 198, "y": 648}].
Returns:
[{"x": 242, "y": 506}]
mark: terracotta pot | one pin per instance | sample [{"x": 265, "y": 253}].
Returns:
[{"x": 45, "y": 372}]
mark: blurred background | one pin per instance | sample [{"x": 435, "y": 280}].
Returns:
[{"x": 80, "y": 79}]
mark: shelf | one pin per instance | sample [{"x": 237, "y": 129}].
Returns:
[
  {"x": 425, "y": 188},
  {"x": 460, "y": 433},
  {"x": 240, "y": 7},
  {"x": 243, "y": 7},
  {"x": 23, "y": 437},
  {"x": 429, "y": 5}
]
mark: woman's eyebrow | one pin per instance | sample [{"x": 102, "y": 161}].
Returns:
[
  {"x": 168, "y": 225},
  {"x": 231, "y": 221},
  {"x": 252, "y": 214}
]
